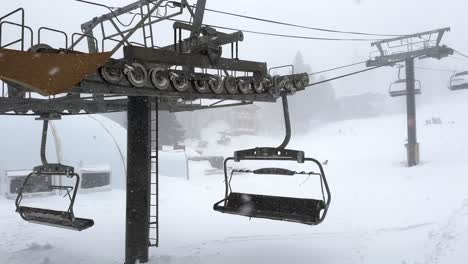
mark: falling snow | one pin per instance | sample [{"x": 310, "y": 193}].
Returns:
[{"x": 54, "y": 71}]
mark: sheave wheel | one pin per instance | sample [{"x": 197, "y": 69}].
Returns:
[{"x": 138, "y": 75}]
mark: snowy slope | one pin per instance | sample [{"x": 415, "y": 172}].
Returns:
[{"x": 382, "y": 212}]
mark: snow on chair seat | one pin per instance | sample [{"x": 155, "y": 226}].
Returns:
[
  {"x": 306, "y": 211},
  {"x": 300, "y": 210},
  {"x": 291, "y": 209}
]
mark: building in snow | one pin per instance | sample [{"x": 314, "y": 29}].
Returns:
[{"x": 94, "y": 145}]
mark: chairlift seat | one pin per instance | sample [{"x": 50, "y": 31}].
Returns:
[
  {"x": 403, "y": 93},
  {"x": 54, "y": 218},
  {"x": 299, "y": 210},
  {"x": 459, "y": 86},
  {"x": 459, "y": 81}
]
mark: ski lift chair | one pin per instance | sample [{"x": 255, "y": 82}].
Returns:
[
  {"x": 299, "y": 210},
  {"x": 63, "y": 219},
  {"x": 290, "y": 209},
  {"x": 395, "y": 92},
  {"x": 459, "y": 81}
]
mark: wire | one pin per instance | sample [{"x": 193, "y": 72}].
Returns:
[
  {"x": 365, "y": 70},
  {"x": 432, "y": 69},
  {"x": 337, "y": 68},
  {"x": 301, "y": 26},
  {"x": 457, "y": 58},
  {"x": 276, "y": 35},
  {"x": 462, "y": 54},
  {"x": 111, "y": 10},
  {"x": 346, "y": 75},
  {"x": 288, "y": 36},
  {"x": 229, "y": 28},
  {"x": 234, "y": 29}
]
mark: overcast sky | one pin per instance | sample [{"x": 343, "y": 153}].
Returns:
[{"x": 375, "y": 16}]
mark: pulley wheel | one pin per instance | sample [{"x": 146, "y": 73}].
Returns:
[
  {"x": 267, "y": 82},
  {"x": 179, "y": 83},
  {"x": 216, "y": 84},
  {"x": 201, "y": 86},
  {"x": 277, "y": 81},
  {"x": 138, "y": 75},
  {"x": 258, "y": 87},
  {"x": 159, "y": 78},
  {"x": 244, "y": 86},
  {"x": 298, "y": 83},
  {"x": 287, "y": 85},
  {"x": 282, "y": 82},
  {"x": 230, "y": 84},
  {"x": 305, "y": 79},
  {"x": 111, "y": 75}
]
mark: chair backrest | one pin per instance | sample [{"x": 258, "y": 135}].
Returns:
[
  {"x": 274, "y": 207},
  {"x": 63, "y": 219}
]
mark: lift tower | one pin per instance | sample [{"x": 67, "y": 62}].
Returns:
[{"x": 408, "y": 48}]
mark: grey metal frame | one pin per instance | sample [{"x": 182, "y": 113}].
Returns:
[{"x": 436, "y": 51}]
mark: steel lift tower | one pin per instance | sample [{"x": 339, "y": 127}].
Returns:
[{"x": 406, "y": 49}]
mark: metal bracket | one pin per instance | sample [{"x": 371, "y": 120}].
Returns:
[
  {"x": 419, "y": 45},
  {"x": 54, "y": 169},
  {"x": 266, "y": 153}
]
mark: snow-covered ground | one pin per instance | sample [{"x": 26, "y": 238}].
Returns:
[{"x": 382, "y": 212}]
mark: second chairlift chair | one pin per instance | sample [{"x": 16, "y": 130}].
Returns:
[
  {"x": 299, "y": 210},
  {"x": 394, "y": 91},
  {"x": 459, "y": 81}
]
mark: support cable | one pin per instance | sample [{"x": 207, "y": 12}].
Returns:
[
  {"x": 355, "y": 73},
  {"x": 461, "y": 54},
  {"x": 111, "y": 10},
  {"x": 275, "y": 34},
  {"x": 344, "y": 76},
  {"x": 252, "y": 31},
  {"x": 289, "y": 36},
  {"x": 433, "y": 69},
  {"x": 135, "y": 14},
  {"x": 338, "y": 68},
  {"x": 301, "y": 26}
]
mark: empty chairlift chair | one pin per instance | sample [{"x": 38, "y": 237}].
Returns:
[
  {"x": 459, "y": 81},
  {"x": 398, "y": 88},
  {"x": 299, "y": 210},
  {"x": 63, "y": 219}
]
